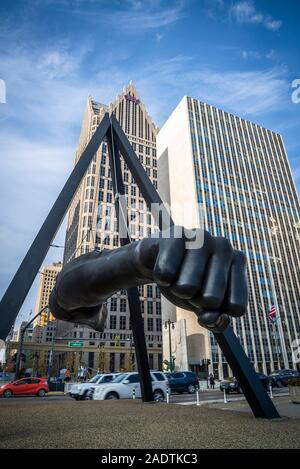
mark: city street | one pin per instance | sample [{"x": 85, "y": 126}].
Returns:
[{"x": 207, "y": 395}]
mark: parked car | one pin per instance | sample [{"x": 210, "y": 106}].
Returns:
[
  {"x": 80, "y": 391},
  {"x": 183, "y": 381},
  {"x": 280, "y": 378},
  {"x": 230, "y": 386},
  {"x": 56, "y": 385},
  {"x": 126, "y": 385},
  {"x": 233, "y": 385},
  {"x": 25, "y": 387}
]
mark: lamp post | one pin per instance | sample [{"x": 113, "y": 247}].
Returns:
[
  {"x": 51, "y": 357},
  {"x": 131, "y": 360},
  {"x": 21, "y": 339},
  {"x": 168, "y": 325}
]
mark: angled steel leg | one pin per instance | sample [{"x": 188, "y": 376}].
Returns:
[
  {"x": 255, "y": 393},
  {"x": 132, "y": 293}
]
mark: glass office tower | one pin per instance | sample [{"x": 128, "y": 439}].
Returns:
[{"x": 239, "y": 172}]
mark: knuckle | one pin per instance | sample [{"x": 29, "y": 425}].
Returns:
[
  {"x": 209, "y": 317},
  {"x": 208, "y": 240},
  {"x": 223, "y": 245},
  {"x": 211, "y": 301},
  {"x": 144, "y": 257},
  {"x": 240, "y": 257},
  {"x": 184, "y": 290},
  {"x": 163, "y": 276},
  {"x": 236, "y": 309}
]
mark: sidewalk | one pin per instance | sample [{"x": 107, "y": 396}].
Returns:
[
  {"x": 283, "y": 404},
  {"x": 131, "y": 424}
]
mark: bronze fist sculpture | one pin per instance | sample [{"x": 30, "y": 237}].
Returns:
[{"x": 208, "y": 278}]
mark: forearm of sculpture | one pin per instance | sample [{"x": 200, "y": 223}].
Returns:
[
  {"x": 92, "y": 278},
  {"x": 86, "y": 282}
]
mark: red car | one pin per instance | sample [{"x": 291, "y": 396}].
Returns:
[{"x": 25, "y": 387}]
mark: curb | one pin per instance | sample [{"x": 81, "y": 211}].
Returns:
[{"x": 218, "y": 401}]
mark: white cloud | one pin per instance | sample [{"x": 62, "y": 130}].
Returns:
[
  {"x": 246, "y": 12},
  {"x": 57, "y": 64},
  {"x": 144, "y": 20},
  {"x": 258, "y": 55},
  {"x": 251, "y": 54},
  {"x": 248, "y": 93},
  {"x": 271, "y": 55},
  {"x": 158, "y": 37},
  {"x": 134, "y": 16},
  {"x": 272, "y": 24}
]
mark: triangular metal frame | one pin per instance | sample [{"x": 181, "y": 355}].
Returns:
[{"x": 11, "y": 303}]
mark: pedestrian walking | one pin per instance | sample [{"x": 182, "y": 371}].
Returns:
[{"x": 212, "y": 381}]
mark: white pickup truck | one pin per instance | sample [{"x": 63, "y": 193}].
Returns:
[
  {"x": 81, "y": 391},
  {"x": 127, "y": 386}
]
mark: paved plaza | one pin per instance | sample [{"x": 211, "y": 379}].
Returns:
[{"x": 63, "y": 423}]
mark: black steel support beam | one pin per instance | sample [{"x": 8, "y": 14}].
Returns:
[
  {"x": 132, "y": 293},
  {"x": 19, "y": 287},
  {"x": 254, "y": 391}
]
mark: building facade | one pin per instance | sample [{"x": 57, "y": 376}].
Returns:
[
  {"x": 44, "y": 325},
  {"x": 47, "y": 282},
  {"x": 239, "y": 174},
  {"x": 92, "y": 224}
]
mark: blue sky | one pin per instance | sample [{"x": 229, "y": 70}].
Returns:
[{"x": 239, "y": 55}]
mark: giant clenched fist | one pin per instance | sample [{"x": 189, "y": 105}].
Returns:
[
  {"x": 194, "y": 270},
  {"x": 210, "y": 280}
]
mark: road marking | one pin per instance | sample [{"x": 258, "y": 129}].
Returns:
[{"x": 217, "y": 401}]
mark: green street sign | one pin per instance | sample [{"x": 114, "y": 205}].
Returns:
[{"x": 77, "y": 343}]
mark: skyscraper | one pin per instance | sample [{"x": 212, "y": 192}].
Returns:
[
  {"x": 240, "y": 174},
  {"x": 47, "y": 282},
  {"x": 92, "y": 224},
  {"x": 44, "y": 327}
]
